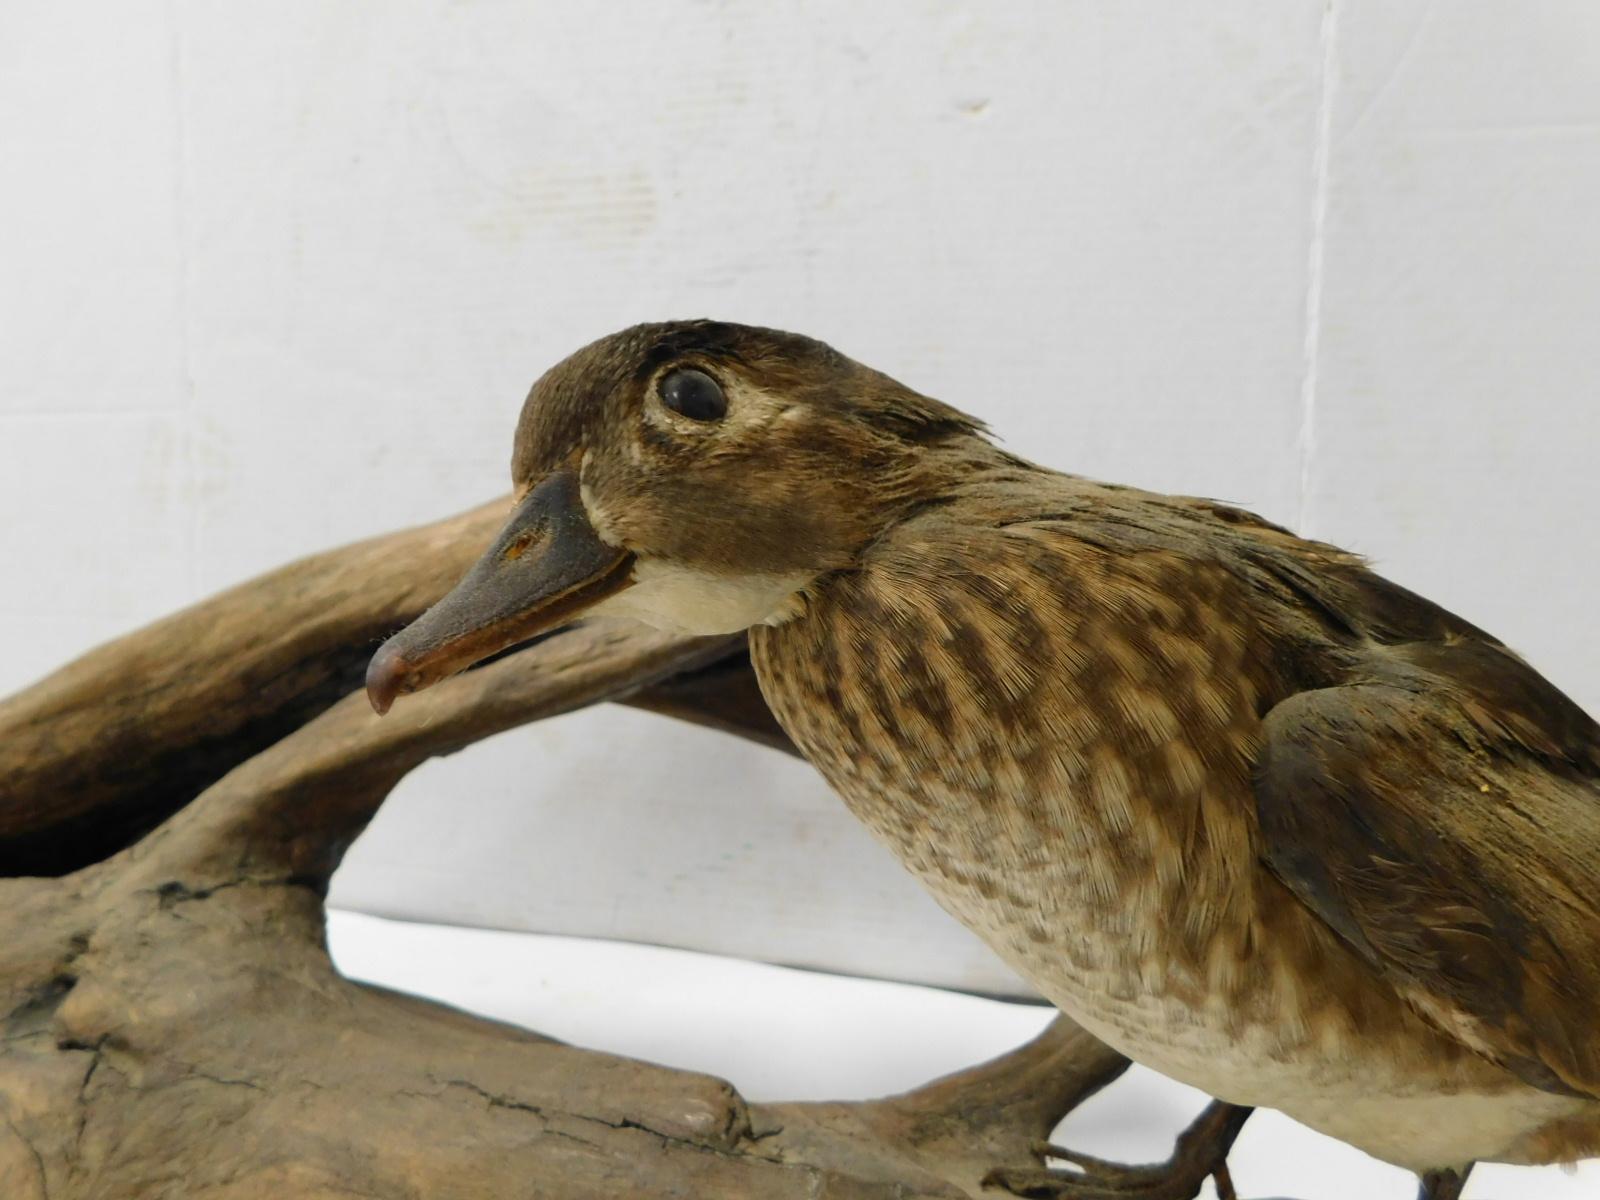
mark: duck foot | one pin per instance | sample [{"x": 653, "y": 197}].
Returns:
[{"x": 1201, "y": 1153}]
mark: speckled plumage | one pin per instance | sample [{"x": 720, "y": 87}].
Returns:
[
  {"x": 1254, "y": 815},
  {"x": 1051, "y": 700}
]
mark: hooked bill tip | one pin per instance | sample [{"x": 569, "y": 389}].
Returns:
[{"x": 386, "y": 675}]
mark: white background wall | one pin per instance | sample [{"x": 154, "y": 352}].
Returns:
[{"x": 275, "y": 277}]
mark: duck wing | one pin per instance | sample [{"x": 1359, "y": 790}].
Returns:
[{"x": 1441, "y": 813}]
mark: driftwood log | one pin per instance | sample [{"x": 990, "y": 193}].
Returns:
[{"x": 172, "y": 806}]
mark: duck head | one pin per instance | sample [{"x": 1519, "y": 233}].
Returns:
[{"x": 694, "y": 475}]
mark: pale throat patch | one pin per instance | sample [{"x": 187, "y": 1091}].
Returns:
[{"x": 680, "y": 599}]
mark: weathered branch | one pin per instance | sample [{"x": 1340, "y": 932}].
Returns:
[
  {"x": 172, "y": 1025},
  {"x": 722, "y": 695},
  {"x": 104, "y": 749}
]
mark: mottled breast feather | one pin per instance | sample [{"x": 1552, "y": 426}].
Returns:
[{"x": 1050, "y": 698}]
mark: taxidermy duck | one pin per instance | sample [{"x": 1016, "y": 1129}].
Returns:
[{"x": 1254, "y": 816}]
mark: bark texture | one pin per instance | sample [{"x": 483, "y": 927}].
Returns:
[{"x": 172, "y": 806}]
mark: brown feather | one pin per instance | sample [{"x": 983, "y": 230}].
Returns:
[{"x": 1246, "y": 809}]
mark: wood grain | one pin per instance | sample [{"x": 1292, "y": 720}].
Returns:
[{"x": 171, "y": 808}]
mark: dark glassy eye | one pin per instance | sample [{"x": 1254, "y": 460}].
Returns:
[{"x": 694, "y": 394}]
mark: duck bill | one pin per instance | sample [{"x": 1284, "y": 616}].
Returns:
[{"x": 546, "y": 566}]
